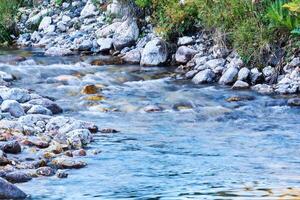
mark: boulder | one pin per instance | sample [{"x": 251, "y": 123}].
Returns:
[
  {"x": 45, "y": 171},
  {"x": 3, "y": 159},
  {"x": 9, "y": 191},
  {"x": 239, "y": 85},
  {"x": 85, "y": 45},
  {"x": 212, "y": 64},
  {"x": 47, "y": 103},
  {"x": 263, "y": 89},
  {"x": 13, "y": 107},
  {"x": 89, "y": 10},
  {"x": 6, "y": 77},
  {"x": 132, "y": 57},
  {"x": 127, "y": 29},
  {"x": 64, "y": 162},
  {"x": 108, "y": 30},
  {"x": 45, "y": 23},
  {"x": 184, "y": 54},
  {"x": 121, "y": 42},
  {"x": 243, "y": 74},
  {"x": 58, "y": 51},
  {"x": 12, "y": 147},
  {"x": 79, "y": 137},
  {"x": 154, "y": 53},
  {"x": 294, "y": 102},
  {"x": 105, "y": 44},
  {"x": 37, "y": 109},
  {"x": 185, "y": 41},
  {"x": 20, "y": 95},
  {"x": 17, "y": 177},
  {"x": 205, "y": 76},
  {"x": 255, "y": 76},
  {"x": 229, "y": 76}
]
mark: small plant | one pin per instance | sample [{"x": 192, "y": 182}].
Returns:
[{"x": 284, "y": 16}]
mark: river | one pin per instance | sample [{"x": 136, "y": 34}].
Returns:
[{"x": 199, "y": 146}]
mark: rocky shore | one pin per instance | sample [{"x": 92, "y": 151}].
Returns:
[
  {"x": 111, "y": 28},
  {"x": 35, "y": 141}
]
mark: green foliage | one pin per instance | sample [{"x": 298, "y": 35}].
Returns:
[
  {"x": 59, "y": 2},
  {"x": 8, "y": 9},
  {"x": 249, "y": 27},
  {"x": 281, "y": 18}
]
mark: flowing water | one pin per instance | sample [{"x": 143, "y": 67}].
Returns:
[{"x": 198, "y": 147}]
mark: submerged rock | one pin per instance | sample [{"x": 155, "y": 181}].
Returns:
[{"x": 294, "y": 102}]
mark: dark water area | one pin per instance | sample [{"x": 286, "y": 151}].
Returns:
[{"x": 199, "y": 146}]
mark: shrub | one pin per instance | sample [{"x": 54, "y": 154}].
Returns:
[
  {"x": 8, "y": 9},
  {"x": 280, "y": 17}
]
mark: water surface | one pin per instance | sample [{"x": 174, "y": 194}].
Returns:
[{"x": 198, "y": 147}]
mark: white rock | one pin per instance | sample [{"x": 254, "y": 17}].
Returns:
[
  {"x": 13, "y": 107},
  {"x": 105, "y": 44},
  {"x": 205, "y": 76},
  {"x": 229, "y": 76},
  {"x": 185, "y": 41},
  {"x": 89, "y": 10},
  {"x": 154, "y": 53},
  {"x": 45, "y": 23},
  {"x": 20, "y": 95},
  {"x": 238, "y": 85},
  {"x": 133, "y": 56},
  {"x": 58, "y": 51},
  {"x": 243, "y": 74}
]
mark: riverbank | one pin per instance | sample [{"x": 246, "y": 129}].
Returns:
[{"x": 81, "y": 27}]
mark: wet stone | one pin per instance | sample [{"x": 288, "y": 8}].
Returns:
[
  {"x": 294, "y": 102},
  {"x": 9, "y": 191},
  {"x": 61, "y": 174},
  {"x": 65, "y": 162},
  {"x": 17, "y": 177},
  {"x": 12, "y": 147},
  {"x": 45, "y": 171}
]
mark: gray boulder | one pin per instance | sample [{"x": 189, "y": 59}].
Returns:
[
  {"x": 185, "y": 41},
  {"x": 121, "y": 42},
  {"x": 239, "y": 85},
  {"x": 105, "y": 44},
  {"x": 154, "y": 53},
  {"x": 244, "y": 74},
  {"x": 45, "y": 23},
  {"x": 38, "y": 109},
  {"x": 184, "y": 54},
  {"x": 9, "y": 191},
  {"x": 294, "y": 102},
  {"x": 20, "y": 95},
  {"x": 133, "y": 56},
  {"x": 58, "y": 51},
  {"x": 47, "y": 103},
  {"x": 229, "y": 76},
  {"x": 79, "y": 137},
  {"x": 89, "y": 10},
  {"x": 205, "y": 76},
  {"x": 13, "y": 107}
]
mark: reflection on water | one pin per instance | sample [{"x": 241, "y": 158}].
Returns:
[{"x": 197, "y": 146}]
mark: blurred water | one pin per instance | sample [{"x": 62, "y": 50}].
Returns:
[{"x": 199, "y": 147}]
